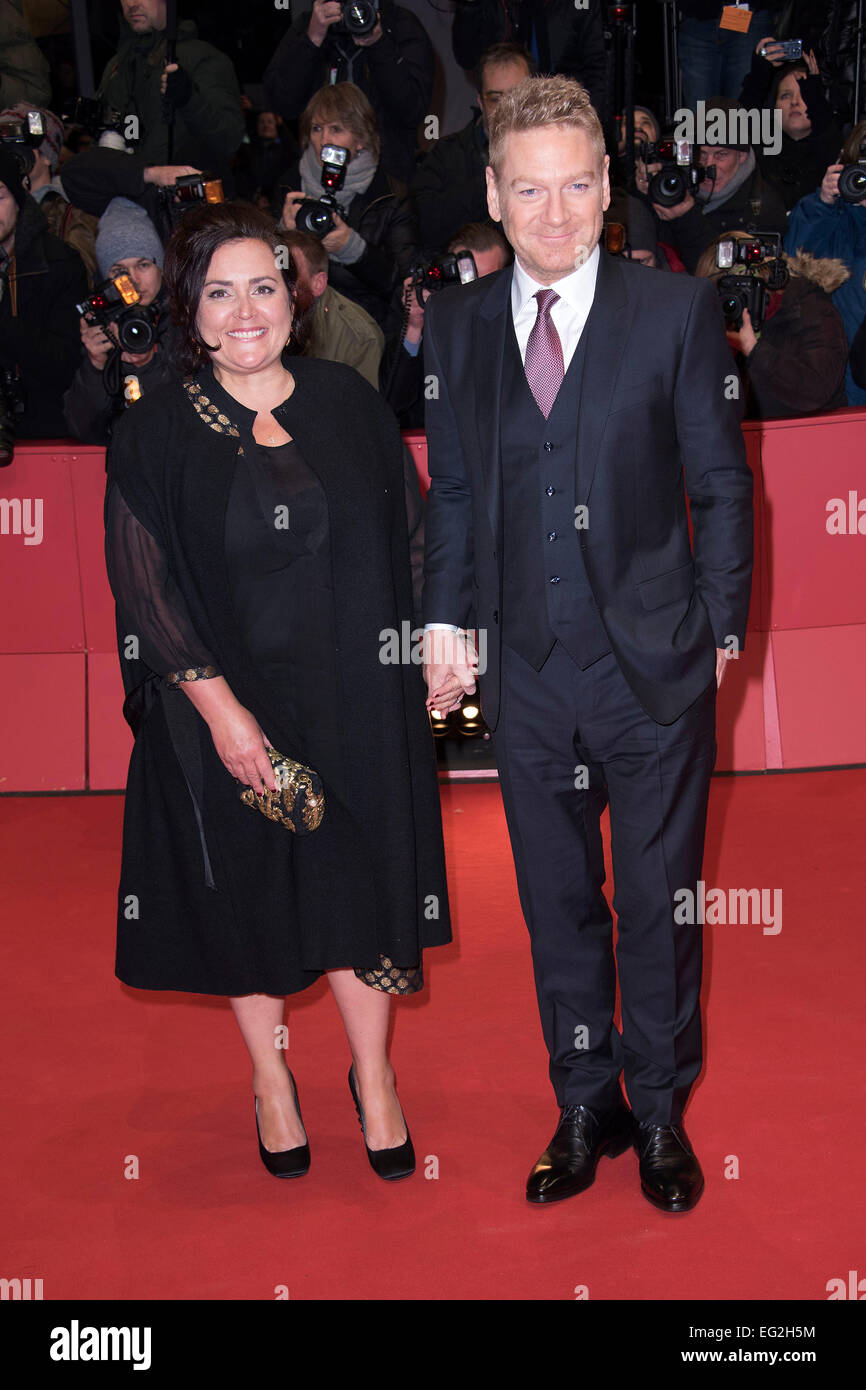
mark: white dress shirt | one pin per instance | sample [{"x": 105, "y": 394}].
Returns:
[{"x": 569, "y": 314}]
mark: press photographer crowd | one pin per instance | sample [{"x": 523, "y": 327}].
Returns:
[{"x": 766, "y": 195}]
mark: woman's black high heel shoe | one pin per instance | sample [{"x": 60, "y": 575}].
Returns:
[
  {"x": 386, "y": 1163},
  {"x": 286, "y": 1163}
]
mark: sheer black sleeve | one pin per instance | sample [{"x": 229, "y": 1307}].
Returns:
[{"x": 149, "y": 599}]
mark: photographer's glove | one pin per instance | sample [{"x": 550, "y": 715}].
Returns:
[{"x": 178, "y": 87}]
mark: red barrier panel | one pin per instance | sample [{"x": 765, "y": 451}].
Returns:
[{"x": 793, "y": 700}]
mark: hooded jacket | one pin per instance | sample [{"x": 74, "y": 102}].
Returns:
[
  {"x": 208, "y": 129},
  {"x": 24, "y": 72},
  {"x": 798, "y": 365},
  {"x": 42, "y": 336}
]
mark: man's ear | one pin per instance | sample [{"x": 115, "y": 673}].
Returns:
[
  {"x": 319, "y": 283},
  {"x": 492, "y": 195},
  {"x": 605, "y": 183}
]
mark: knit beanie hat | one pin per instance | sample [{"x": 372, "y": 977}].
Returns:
[
  {"x": 53, "y": 142},
  {"x": 125, "y": 230},
  {"x": 10, "y": 174}
]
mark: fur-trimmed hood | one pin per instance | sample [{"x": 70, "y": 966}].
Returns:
[{"x": 827, "y": 272}]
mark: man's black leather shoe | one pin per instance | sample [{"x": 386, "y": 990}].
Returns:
[
  {"x": 670, "y": 1175},
  {"x": 568, "y": 1164}
]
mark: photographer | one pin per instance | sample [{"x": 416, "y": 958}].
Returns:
[
  {"x": 561, "y": 36},
  {"x": 24, "y": 72},
  {"x": 333, "y": 329},
  {"x": 732, "y": 195},
  {"x": 41, "y": 281},
  {"x": 794, "y": 362},
  {"x": 831, "y": 226},
  {"x": 810, "y": 135},
  {"x": 402, "y": 372},
  {"x": 65, "y": 221},
  {"x": 200, "y": 90},
  {"x": 127, "y": 244},
  {"x": 450, "y": 187},
  {"x": 392, "y": 64},
  {"x": 374, "y": 232}
]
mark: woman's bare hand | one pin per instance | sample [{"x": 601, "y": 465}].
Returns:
[{"x": 242, "y": 747}]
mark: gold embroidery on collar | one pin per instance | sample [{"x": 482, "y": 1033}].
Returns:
[{"x": 209, "y": 412}]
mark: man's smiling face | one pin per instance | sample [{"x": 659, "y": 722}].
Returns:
[{"x": 550, "y": 197}]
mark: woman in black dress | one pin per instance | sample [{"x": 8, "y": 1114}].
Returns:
[{"x": 257, "y": 545}]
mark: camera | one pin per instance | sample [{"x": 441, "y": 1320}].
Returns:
[
  {"x": 315, "y": 215},
  {"x": 21, "y": 136},
  {"x": 11, "y": 404},
  {"x": 103, "y": 122},
  {"x": 117, "y": 299},
  {"x": 359, "y": 17},
  {"x": 453, "y": 268},
  {"x": 739, "y": 292},
  {"x": 852, "y": 182},
  {"x": 749, "y": 290},
  {"x": 678, "y": 175},
  {"x": 195, "y": 188}
]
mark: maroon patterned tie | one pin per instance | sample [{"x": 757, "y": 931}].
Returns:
[{"x": 544, "y": 364}]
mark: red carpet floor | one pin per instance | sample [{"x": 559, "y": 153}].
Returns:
[{"x": 96, "y": 1072}]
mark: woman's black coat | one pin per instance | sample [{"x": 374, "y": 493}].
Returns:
[{"x": 174, "y": 469}]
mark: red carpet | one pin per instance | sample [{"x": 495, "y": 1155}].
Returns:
[{"x": 96, "y": 1072}]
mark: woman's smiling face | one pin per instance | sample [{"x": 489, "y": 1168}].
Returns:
[{"x": 245, "y": 307}]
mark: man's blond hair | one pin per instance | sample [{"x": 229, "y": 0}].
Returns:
[{"x": 543, "y": 101}]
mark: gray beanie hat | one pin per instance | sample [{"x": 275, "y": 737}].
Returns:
[{"x": 125, "y": 230}]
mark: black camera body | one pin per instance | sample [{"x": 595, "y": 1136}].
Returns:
[
  {"x": 21, "y": 137},
  {"x": 315, "y": 215},
  {"x": 98, "y": 119},
  {"x": 117, "y": 300},
  {"x": 739, "y": 292},
  {"x": 359, "y": 18},
  {"x": 852, "y": 182},
  {"x": 679, "y": 174},
  {"x": 746, "y": 290},
  {"x": 452, "y": 268}
]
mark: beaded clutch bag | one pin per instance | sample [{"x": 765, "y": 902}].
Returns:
[{"x": 299, "y": 801}]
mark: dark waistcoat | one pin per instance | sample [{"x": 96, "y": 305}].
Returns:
[{"x": 546, "y": 594}]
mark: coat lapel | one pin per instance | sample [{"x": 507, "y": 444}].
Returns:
[
  {"x": 607, "y": 334},
  {"x": 489, "y": 328}
]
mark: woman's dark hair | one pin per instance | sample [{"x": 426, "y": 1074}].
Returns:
[{"x": 188, "y": 255}]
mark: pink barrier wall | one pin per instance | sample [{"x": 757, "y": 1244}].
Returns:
[{"x": 794, "y": 699}]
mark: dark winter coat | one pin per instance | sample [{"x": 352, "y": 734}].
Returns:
[
  {"x": 575, "y": 38},
  {"x": 384, "y": 217},
  {"x": 450, "y": 187},
  {"x": 395, "y": 74},
  {"x": 174, "y": 465},
  {"x": 208, "y": 129},
  {"x": 798, "y": 364},
  {"x": 754, "y": 206},
  {"x": 799, "y": 166},
  {"x": 89, "y": 411},
  {"x": 43, "y": 336}
]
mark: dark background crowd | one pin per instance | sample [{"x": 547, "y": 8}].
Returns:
[{"x": 363, "y": 132}]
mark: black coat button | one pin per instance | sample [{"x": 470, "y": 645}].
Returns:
[
  {"x": 547, "y": 446},
  {"x": 554, "y": 579},
  {"x": 550, "y": 490},
  {"x": 551, "y": 535}
]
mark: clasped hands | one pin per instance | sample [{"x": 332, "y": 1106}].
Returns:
[{"x": 450, "y": 668}]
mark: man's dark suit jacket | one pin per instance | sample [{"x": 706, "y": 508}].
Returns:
[{"x": 657, "y": 409}]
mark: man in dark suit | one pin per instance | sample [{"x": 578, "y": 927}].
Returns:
[{"x": 573, "y": 395}]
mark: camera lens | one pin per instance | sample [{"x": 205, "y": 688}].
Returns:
[
  {"x": 732, "y": 308},
  {"x": 359, "y": 16},
  {"x": 136, "y": 335},
  {"x": 852, "y": 183},
  {"x": 315, "y": 218}
]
